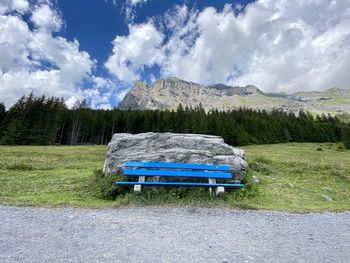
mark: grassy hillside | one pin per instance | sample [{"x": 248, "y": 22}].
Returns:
[
  {"x": 293, "y": 177},
  {"x": 333, "y": 100}
]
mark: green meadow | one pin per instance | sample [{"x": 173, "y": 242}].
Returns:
[{"x": 293, "y": 177}]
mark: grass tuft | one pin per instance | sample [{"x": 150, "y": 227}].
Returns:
[{"x": 19, "y": 166}]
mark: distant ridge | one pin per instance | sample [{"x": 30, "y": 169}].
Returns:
[{"x": 168, "y": 93}]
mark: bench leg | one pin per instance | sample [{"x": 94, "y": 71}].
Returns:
[
  {"x": 219, "y": 191},
  {"x": 138, "y": 188},
  {"x": 215, "y": 191},
  {"x": 212, "y": 189}
]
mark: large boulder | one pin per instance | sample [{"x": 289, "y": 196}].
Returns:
[{"x": 173, "y": 147}]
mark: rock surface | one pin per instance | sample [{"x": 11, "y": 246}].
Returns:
[
  {"x": 256, "y": 180},
  {"x": 327, "y": 198},
  {"x": 172, "y": 147},
  {"x": 168, "y": 93}
]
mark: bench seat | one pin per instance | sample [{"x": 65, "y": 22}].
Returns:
[
  {"x": 181, "y": 184},
  {"x": 171, "y": 171},
  {"x": 167, "y": 173},
  {"x": 184, "y": 166}
]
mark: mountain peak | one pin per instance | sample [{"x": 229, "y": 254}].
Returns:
[
  {"x": 240, "y": 91},
  {"x": 169, "y": 92},
  {"x": 172, "y": 78}
]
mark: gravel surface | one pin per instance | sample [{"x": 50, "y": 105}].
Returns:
[{"x": 153, "y": 234}]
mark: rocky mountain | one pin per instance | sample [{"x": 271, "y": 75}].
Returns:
[{"x": 170, "y": 92}]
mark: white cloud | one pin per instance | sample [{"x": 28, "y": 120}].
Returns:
[
  {"x": 14, "y": 38},
  {"x": 152, "y": 78},
  {"x": 129, "y": 9},
  {"x": 136, "y": 2},
  {"x": 275, "y": 45},
  {"x": 33, "y": 60},
  {"x": 20, "y": 6},
  {"x": 46, "y": 18},
  {"x": 131, "y": 54}
]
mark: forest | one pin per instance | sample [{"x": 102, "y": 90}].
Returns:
[{"x": 40, "y": 120}]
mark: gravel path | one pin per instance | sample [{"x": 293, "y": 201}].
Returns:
[{"x": 154, "y": 234}]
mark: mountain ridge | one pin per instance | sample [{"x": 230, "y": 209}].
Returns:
[{"x": 168, "y": 93}]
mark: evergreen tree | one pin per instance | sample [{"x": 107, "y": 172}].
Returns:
[
  {"x": 180, "y": 119},
  {"x": 346, "y": 136},
  {"x": 14, "y": 124},
  {"x": 42, "y": 120},
  {"x": 2, "y": 116}
]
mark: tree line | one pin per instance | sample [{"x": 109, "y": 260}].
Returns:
[{"x": 47, "y": 120}]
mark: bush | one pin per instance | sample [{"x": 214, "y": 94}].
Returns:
[
  {"x": 340, "y": 147},
  {"x": 319, "y": 148},
  {"x": 104, "y": 185},
  {"x": 249, "y": 191}
]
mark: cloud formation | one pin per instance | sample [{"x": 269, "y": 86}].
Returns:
[
  {"x": 33, "y": 60},
  {"x": 129, "y": 9},
  {"x": 276, "y": 45},
  {"x": 131, "y": 54}
]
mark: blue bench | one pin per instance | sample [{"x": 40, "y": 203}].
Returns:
[{"x": 141, "y": 170}]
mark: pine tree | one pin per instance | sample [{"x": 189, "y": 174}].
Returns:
[
  {"x": 42, "y": 120},
  {"x": 180, "y": 119},
  {"x": 14, "y": 124},
  {"x": 2, "y": 116},
  {"x": 346, "y": 136}
]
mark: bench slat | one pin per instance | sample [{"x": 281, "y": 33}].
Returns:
[
  {"x": 170, "y": 173},
  {"x": 180, "y": 184},
  {"x": 178, "y": 166}
]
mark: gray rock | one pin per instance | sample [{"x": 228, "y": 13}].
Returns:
[
  {"x": 290, "y": 185},
  {"x": 172, "y": 147},
  {"x": 327, "y": 198},
  {"x": 256, "y": 180}
]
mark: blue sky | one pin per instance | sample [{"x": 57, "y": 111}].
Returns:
[
  {"x": 97, "y": 49},
  {"x": 95, "y": 23}
]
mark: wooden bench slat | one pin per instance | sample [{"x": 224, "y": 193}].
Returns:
[
  {"x": 178, "y": 166},
  {"x": 180, "y": 184},
  {"x": 172, "y": 173}
]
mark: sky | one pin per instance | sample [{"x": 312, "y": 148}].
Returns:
[{"x": 97, "y": 49}]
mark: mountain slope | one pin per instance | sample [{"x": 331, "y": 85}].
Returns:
[{"x": 170, "y": 92}]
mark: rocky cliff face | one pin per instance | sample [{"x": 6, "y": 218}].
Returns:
[{"x": 170, "y": 92}]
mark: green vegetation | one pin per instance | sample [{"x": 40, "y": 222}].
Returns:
[
  {"x": 346, "y": 136},
  {"x": 344, "y": 117},
  {"x": 50, "y": 175},
  {"x": 293, "y": 177},
  {"x": 46, "y": 121}
]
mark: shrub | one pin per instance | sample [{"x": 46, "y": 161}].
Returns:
[
  {"x": 319, "y": 148},
  {"x": 104, "y": 185},
  {"x": 340, "y": 147},
  {"x": 249, "y": 191}
]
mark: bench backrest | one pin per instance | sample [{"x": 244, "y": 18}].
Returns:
[{"x": 177, "y": 170}]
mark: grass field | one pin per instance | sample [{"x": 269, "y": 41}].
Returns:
[{"x": 293, "y": 177}]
